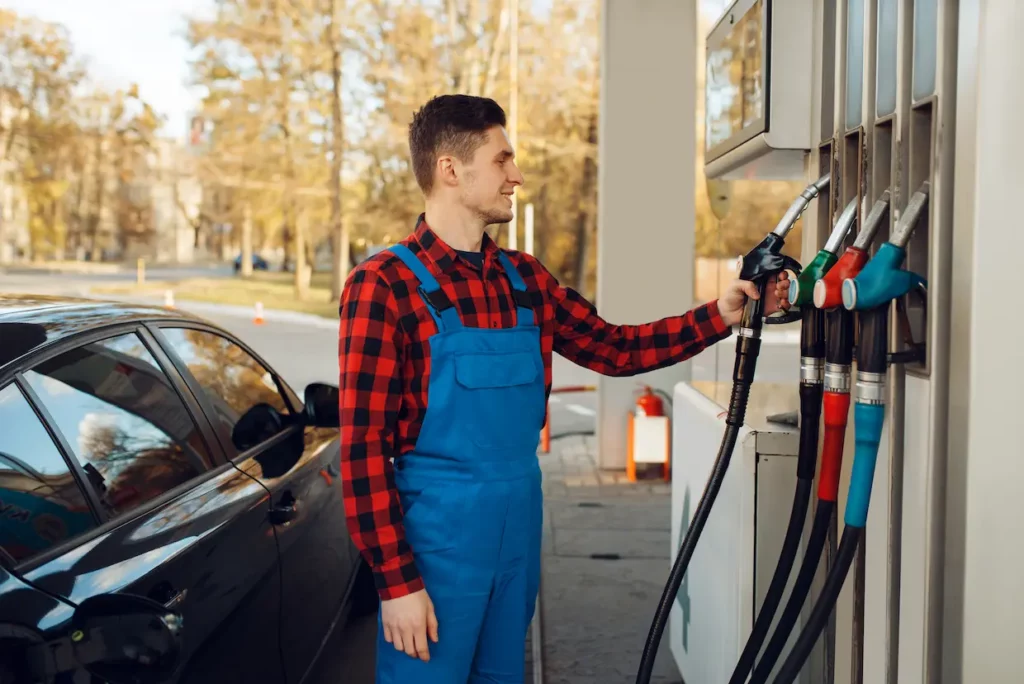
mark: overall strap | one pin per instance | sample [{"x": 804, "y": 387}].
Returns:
[
  {"x": 524, "y": 307},
  {"x": 440, "y": 307}
]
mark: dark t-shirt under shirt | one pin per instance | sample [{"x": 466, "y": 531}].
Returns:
[{"x": 475, "y": 258}]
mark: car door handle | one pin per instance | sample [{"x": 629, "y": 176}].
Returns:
[
  {"x": 164, "y": 593},
  {"x": 285, "y": 510}
]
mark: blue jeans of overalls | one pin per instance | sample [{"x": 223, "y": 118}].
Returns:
[{"x": 471, "y": 495}]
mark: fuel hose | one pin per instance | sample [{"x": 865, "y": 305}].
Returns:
[
  {"x": 879, "y": 283},
  {"x": 812, "y": 356},
  {"x": 758, "y": 266},
  {"x": 827, "y": 295}
]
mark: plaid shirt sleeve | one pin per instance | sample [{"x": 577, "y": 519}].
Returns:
[
  {"x": 370, "y": 350},
  {"x": 586, "y": 339}
]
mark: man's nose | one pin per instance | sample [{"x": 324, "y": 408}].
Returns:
[{"x": 516, "y": 177}]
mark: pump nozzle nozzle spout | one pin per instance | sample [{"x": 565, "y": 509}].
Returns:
[
  {"x": 908, "y": 221},
  {"x": 879, "y": 212},
  {"x": 801, "y": 286},
  {"x": 795, "y": 210},
  {"x": 842, "y": 227}
]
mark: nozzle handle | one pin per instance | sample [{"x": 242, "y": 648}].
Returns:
[{"x": 881, "y": 281}]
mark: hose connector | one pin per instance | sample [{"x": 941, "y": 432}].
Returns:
[{"x": 801, "y": 287}]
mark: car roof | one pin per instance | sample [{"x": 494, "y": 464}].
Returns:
[{"x": 31, "y": 322}]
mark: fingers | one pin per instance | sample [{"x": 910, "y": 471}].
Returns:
[
  {"x": 421, "y": 651},
  {"x": 432, "y": 624},
  {"x": 749, "y": 289},
  {"x": 387, "y": 634}
]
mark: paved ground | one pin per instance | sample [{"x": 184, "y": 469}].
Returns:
[{"x": 606, "y": 558}]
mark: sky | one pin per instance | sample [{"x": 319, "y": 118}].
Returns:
[{"x": 126, "y": 41}]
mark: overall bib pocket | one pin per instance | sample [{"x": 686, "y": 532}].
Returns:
[{"x": 500, "y": 399}]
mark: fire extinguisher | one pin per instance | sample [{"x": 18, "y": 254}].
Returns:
[{"x": 649, "y": 403}]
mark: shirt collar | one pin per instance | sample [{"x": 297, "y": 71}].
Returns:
[{"x": 441, "y": 253}]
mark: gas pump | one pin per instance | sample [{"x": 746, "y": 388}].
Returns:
[
  {"x": 827, "y": 296},
  {"x": 870, "y": 293}
]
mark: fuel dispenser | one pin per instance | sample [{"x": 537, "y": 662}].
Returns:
[{"x": 866, "y": 603}]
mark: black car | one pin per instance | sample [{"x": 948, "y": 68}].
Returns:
[{"x": 170, "y": 510}]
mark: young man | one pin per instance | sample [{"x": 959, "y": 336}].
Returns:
[{"x": 445, "y": 364}]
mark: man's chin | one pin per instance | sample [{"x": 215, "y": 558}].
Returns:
[{"x": 498, "y": 217}]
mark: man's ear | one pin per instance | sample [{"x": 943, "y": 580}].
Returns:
[{"x": 447, "y": 170}]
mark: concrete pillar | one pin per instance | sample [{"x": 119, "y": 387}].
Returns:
[
  {"x": 992, "y": 592},
  {"x": 645, "y": 186}
]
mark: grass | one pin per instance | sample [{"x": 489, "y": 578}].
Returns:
[{"x": 276, "y": 290}]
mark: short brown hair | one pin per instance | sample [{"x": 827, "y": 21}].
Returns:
[{"x": 449, "y": 124}]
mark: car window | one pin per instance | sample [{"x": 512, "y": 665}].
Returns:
[
  {"x": 41, "y": 504},
  {"x": 236, "y": 384},
  {"x": 123, "y": 419}
]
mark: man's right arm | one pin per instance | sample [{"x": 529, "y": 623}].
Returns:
[{"x": 370, "y": 361}]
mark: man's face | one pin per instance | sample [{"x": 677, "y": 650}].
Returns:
[{"x": 486, "y": 182}]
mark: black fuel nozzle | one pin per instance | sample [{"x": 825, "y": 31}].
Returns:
[{"x": 757, "y": 266}]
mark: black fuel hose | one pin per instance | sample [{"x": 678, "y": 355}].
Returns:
[
  {"x": 812, "y": 352},
  {"x": 757, "y": 266},
  {"x": 747, "y": 348},
  {"x": 801, "y": 587}
]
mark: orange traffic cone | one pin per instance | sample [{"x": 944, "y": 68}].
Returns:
[{"x": 258, "y": 319}]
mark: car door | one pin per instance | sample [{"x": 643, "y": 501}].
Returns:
[
  {"x": 177, "y": 522},
  {"x": 299, "y": 465}
]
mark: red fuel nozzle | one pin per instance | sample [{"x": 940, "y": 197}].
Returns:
[
  {"x": 836, "y": 409},
  {"x": 828, "y": 291}
]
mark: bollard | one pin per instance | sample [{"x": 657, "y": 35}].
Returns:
[
  {"x": 140, "y": 271},
  {"x": 169, "y": 299},
  {"x": 258, "y": 318}
]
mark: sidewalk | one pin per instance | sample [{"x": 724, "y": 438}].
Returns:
[{"x": 605, "y": 562}]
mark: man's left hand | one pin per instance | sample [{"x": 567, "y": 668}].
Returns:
[{"x": 732, "y": 301}]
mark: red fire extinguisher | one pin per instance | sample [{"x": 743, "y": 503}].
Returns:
[{"x": 649, "y": 403}]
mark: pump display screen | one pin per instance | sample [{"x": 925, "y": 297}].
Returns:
[{"x": 736, "y": 79}]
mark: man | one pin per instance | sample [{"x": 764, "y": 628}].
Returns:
[{"x": 445, "y": 364}]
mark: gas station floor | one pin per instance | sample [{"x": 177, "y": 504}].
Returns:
[{"x": 605, "y": 562}]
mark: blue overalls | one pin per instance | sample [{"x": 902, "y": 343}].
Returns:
[{"x": 471, "y": 494}]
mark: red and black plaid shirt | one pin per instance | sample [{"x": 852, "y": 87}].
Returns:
[{"x": 384, "y": 359}]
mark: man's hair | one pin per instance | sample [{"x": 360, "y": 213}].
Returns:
[{"x": 449, "y": 124}]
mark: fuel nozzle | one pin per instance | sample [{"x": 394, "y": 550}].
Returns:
[
  {"x": 882, "y": 280},
  {"x": 757, "y": 266},
  {"x": 766, "y": 258},
  {"x": 828, "y": 289},
  {"x": 800, "y": 287}
]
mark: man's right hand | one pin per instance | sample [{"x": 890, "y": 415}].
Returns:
[{"x": 407, "y": 621}]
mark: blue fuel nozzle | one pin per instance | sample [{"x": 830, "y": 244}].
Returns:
[{"x": 882, "y": 280}]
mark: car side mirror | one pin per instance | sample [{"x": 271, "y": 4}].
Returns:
[
  {"x": 322, "y": 405},
  {"x": 122, "y": 638}
]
